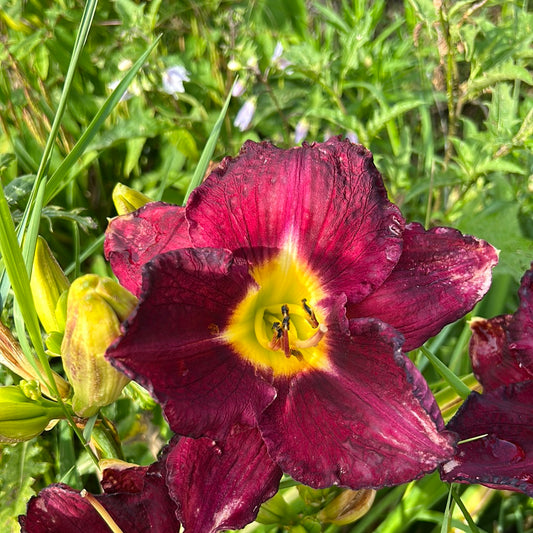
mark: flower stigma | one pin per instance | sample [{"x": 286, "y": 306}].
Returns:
[{"x": 274, "y": 326}]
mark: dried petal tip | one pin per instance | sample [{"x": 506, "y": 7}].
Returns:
[
  {"x": 48, "y": 282},
  {"x": 12, "y": 357},
  {"x": 127, "y": 200},
  {"x": 24, "y": 413},
  {"x": 96, "y": 307}
]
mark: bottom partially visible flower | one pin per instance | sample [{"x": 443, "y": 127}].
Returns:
[
  {"x": 203, "y": 485},
  {"x": 498, "y": 424}
]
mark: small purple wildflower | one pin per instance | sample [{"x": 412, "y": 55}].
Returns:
[
  {"x": 245, "y": 115},
  {"x": 173, "y": 79},
  {"x": 301, "y": 131}
]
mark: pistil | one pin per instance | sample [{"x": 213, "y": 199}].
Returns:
[{"x": 312, "y": 341}]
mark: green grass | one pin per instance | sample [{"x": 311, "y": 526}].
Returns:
[{"x": 441, "y": 94}]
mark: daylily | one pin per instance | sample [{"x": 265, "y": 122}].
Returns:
[
  {"x": 178, "y": 488},
  {"x": 280, "y": 298},
  {"x": 500, "y": 421}
]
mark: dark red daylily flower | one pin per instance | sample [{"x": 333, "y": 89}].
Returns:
[
  {"x": 196, "y": 482},
  {"x": 135, "y": 499},
  {"x": 501, "y": 350},
  {"x": 280, "y": 298}
]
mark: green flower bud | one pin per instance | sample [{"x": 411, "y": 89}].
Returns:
[
  {"x": 127, "y": 200},
  {"x": 48, "y": 282},
  {"x": 347, "y": 507},
  {"x": 23, "y": 417},
  {"x": 12, "y": 357},
  {"x": 96, "y": 307}
]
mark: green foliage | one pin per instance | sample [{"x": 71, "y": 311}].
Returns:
[
  {"x": 441, "y": 92},
  {"x": 25, "y": 468}
]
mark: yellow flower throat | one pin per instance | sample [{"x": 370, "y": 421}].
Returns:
[{"x": 277, "y": 325}]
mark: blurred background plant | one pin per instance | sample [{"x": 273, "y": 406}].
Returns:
[{"x": 439, "y": 91}]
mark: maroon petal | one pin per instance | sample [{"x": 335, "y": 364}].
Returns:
[
  {"x": 494, "y": 364},
  {"x": 220, "y": 485},
  {"x": 134, "y": 239},
  {"x": 126, "y": 479},
  {"x": 173, "y": 343},
  {"x": 503, "y": 459},
  {"x": 521, "y": 326},
  {"x": 325, "y": 203},
  {"x": 370, "y": 422},
  {"x": 58, "y": 508},
  {"x": 440, "y": 276}
]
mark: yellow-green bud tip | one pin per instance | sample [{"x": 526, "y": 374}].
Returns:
[{"x": 127, "y": 200}]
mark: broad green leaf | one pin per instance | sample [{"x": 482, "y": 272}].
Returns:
[
  {"x": 508, "y": 71},
  {"x": 20, "y": 466}
]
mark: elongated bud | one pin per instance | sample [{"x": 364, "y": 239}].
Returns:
[
  {"x": 24, "y": 416},
  {"x": 347, "y": 507},
  {"x": 96, "y": 306},
  {"x": 12, "y": 357},
  {"x": 127, "y": 200},
  {"x": 48, "y": 282}
]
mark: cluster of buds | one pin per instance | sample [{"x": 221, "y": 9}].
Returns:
[{"x": 80, "y": 320}]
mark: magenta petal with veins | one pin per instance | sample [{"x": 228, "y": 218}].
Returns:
[
  {"x": 220, "y": 485},
  {"x": 440, "y": 276}
]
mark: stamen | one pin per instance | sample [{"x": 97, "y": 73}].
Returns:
[
  {"x": 275, "y": 343},
  {"x": 312, "y": 341},
  {"x": 297, "y": 354},
  {"x": 311, "y": 318},
  {"x": 285, "y": 313},
  {"x": 285, "y": 324}
]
